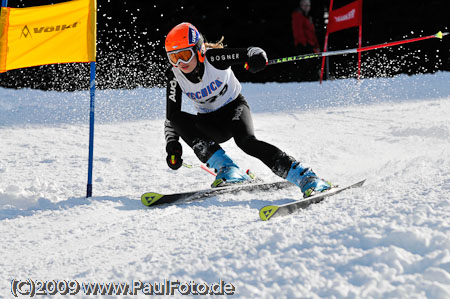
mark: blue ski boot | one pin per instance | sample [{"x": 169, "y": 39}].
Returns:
[
  {"x": 306, "y": 179},
  {"x": 227, "y": 171}
]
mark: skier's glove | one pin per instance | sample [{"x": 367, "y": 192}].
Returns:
[
  {"x": 257, "y": 59},
  {"x": 174, "y": 152}
]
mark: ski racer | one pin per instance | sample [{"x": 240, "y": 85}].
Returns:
[{"x": 202, "y": 72}]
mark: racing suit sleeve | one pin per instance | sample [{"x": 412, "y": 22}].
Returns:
[
  {"x": 223, "y": 58},
  {"x": 173, "y": 105}
]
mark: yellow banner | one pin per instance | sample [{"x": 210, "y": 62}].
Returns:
[{"x": 59, "y": 33}]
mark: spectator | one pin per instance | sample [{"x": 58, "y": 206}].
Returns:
[{"x": 305, "y": 40}]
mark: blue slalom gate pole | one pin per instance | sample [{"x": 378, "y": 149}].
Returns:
[
  {"x": 91, "y": 128},
  {"x": 4, "y": 3}
]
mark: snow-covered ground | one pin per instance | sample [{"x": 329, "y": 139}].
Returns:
[{"x": 389, "y": 239}]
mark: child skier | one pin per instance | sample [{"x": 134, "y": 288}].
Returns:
[{"x": 202, "y": 72}]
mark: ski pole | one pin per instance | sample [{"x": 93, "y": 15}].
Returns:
[
  {"x": 201, "y": 166},
  {"x": 351, "y": 51}
]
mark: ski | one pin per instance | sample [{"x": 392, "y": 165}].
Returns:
[
  {"x": 152, "y": 199},
  {"x": 271, "y": 211}
]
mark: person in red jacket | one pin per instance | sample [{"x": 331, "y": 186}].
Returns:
[{"x": 305, "y": 39}]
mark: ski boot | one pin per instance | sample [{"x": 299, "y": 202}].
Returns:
[
  {"x": 227, "y": 171},
  {"x": 307, "y": 180}
]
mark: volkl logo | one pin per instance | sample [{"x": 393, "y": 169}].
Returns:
[
  {"x": 37, "y": 30},
  {"x": 25, "y": 32}
]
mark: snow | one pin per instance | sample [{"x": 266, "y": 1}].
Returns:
[{"x": 389, "y": 239}]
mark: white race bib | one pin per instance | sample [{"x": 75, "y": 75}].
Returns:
[{"x": 216, "y": 89}]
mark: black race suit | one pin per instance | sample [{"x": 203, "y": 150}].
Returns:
[{"x": 205, "y": 131}]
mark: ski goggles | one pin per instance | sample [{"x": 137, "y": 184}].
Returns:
[{"x": 183, "y": 55}]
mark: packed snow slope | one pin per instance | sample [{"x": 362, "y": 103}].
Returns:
[{"x": 389, "y": 239}]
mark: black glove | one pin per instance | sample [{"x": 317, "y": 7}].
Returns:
[
  {"x": 174, "y": 152},
  {"x": 257, "y": 59}
]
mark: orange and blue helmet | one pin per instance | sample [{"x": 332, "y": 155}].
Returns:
[{"x": 184, "y": 41}]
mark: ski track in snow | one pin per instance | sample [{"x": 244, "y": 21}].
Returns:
[{"x": 389, "y": 239}]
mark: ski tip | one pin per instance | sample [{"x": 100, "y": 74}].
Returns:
[
  {"x": 149, "y": 199},
  {"x": 360, "y": 183},
  {"x": 441, "y": 34},
  {"x": 265, "y": 213}
]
